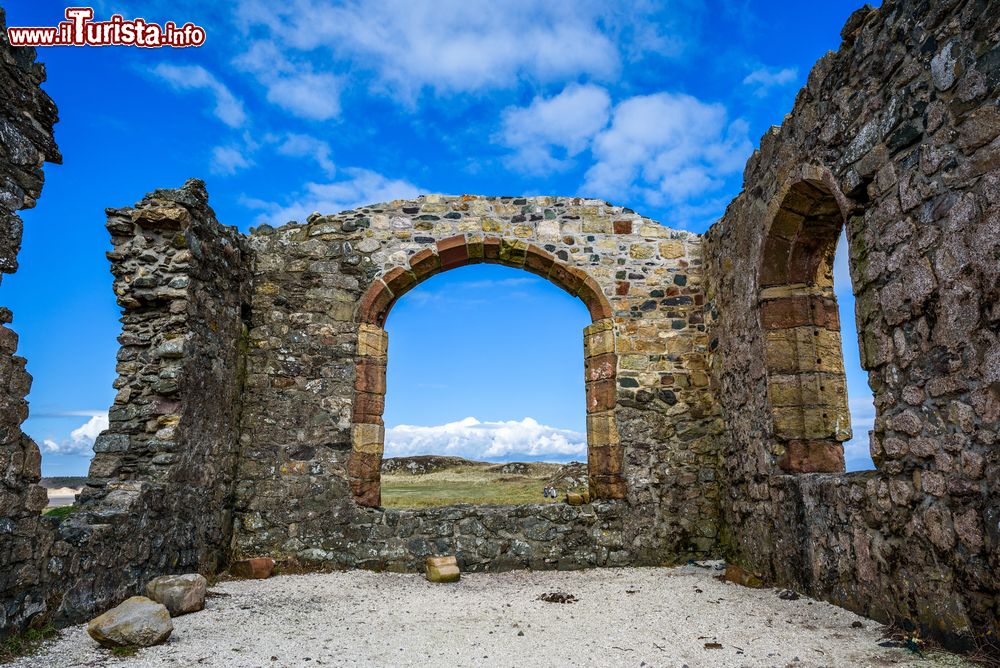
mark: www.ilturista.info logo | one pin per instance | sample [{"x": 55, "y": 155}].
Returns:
[{"x": 79, "y": 29}]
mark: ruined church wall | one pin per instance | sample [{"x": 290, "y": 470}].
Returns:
[
  {"x": 160, "y": 487},
  {"x": 901, "y": 128},
  {"x": 27, "y": 116},
  {"x": 313, "y": 284}
]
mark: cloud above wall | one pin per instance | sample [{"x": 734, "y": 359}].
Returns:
[
  {"x": 228, "y": 108},
  {"x": 473, "y": 439},
  {"x": 764, "y": 79},
  {"x": 566, "y": 123},
  {"x": 357, "y": 187},
  {"x": 665, "y": 148},
  {"x": 448, "y": 46},
  {"x": 81, "y": 439}
]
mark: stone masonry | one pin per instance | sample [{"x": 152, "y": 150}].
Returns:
[
  {"x": 27, "y": 115},
  {"x": 896, "y": 138},
  {"x": 312, "y": 443},
  {"x": 251, "y": 387}
]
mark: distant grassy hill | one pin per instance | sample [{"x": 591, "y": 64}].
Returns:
[
  {"x": 63, "y": 481},
  {"x": 428, "y": 480}
]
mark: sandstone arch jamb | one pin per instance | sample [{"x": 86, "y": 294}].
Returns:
[
  {"x": 807, "y": 386},
  {"x": 604, "y": 451}
]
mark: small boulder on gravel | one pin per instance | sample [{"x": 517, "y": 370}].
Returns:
[
  {"x": 136, "y": 622},
  {"x": 181, "y": 594},
  {"x": 442, "y": 569},
  {"x": 259, "y": 568}
]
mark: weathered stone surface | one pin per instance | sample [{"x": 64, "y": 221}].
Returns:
[
  {"x": 258, "y": 568},
  {"x": 898, "y": 155},
  {"x": 252, "y": 369},
  {"x": 136, "y": 622},
  {"x": 180, "y": 594}
]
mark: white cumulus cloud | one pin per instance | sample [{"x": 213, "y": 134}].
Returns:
[
  {"x": 81, "y": 439},
  {"x": 227, "y": 160},
  {"x": 357, "y": 188},
  {"x": 666, "y": 148},
  {"x": 294, "y": 86},
  {"x": 306, "y": 146},
  {"x": 472, "y": 439},
  {"x": 763, "y": 79},
  {"x": 228, "y": 108},
  {"x": 566, "y": 122},
  {"x": 446, "y": 45}
]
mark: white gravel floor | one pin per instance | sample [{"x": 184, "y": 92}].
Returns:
[{"x": 624, "y": 617}]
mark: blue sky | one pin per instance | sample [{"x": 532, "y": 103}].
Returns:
[{"x": 301, "y": 106}]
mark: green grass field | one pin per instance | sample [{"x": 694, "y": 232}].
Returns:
[{"x": 461, "y": 485}]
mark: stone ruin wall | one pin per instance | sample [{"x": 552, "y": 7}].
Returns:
[
  {"x": 251, "y": 374},
  {"x": 897, "y": 134},
  {"x": 312, "y": 433},
  {"x": 27, "y": 115}
]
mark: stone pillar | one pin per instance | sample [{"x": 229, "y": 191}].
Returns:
[
  {"x": 604, "y": 449},
  {"x": 806, "y": 384},
  {"x": 367, "y": 431}
]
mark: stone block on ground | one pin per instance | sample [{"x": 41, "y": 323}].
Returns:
[
  {"x": 443, "y": 569},
  {"x": 258, "y": 568},
  {"x": 136, "y": 622},
  {"x": 737, "y": 575},
  {"x": 180, "y": 594}
]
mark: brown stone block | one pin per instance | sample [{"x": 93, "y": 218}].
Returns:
[
  {"x": 373, "y": 341},
  {"x": 370, "y": 376},
  {"x": 607, "y": 487},
  {"x": 602, "y": 430},
  {"x": 600, "y": 367},
  {"x": 368, "y": 407},
  {"x": 813, "y": 457},
  {"x": 800, "y": 311},
  {"x": 399, "y": 280},
  {"x": 453, "y": 251},
  {"x": 491, "y": 250},
  {"x": 375, "y": 303},
  {"x": 623, "y": 226},
  {"x": 442, "y": 569},
  {"x": 774, "y": 265},
  {"x": 568, "y": 278},
  {"x": 574, "y": 499},
  {"x": 605, "y": 460},
  {"x": 368, "y": 438},
  {"x": 367, "y": 493},
  {"x": 538, "y": 261},
  {"x": 598, "y": 342},
  {"x": 258, "y": 568},
  {"x": 739, "y": 576},
  {"x": 592, "y": 295},
  {"x": 601, "y": 395},
  {"x": 424, "y": 263},
  {"x": 364, "y": 465}
]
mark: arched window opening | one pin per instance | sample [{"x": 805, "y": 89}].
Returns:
[
  {"x": 604, "y": 456},
  {"x": 807, "y": 387},
  {"x": 484, "y": 391}
]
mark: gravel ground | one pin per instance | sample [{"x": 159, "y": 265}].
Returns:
[{"x": 622, "y": 617}]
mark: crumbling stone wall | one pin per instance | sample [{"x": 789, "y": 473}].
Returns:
[
  {"x": 312, "y": 433},
  {"x": 159, "y": 496},
  {"x": 27, "y": 115},
  {"x": 896, "y": 136}
]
